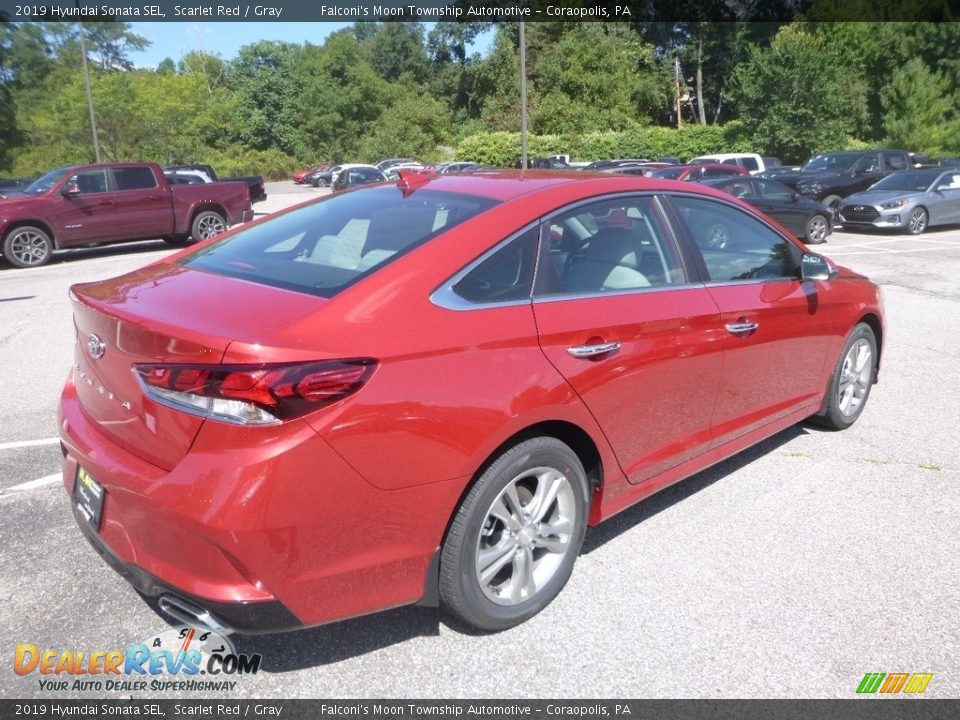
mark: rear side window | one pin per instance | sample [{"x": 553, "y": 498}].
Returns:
[
  {"x": 608, "y": 246},
  {"x": 896, "y": 161},
  {"x": 134, "y": 178},
  {"x": 504, "y": 276},
  {"x": 322, "y": 248}
]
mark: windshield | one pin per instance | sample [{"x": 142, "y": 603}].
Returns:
[
  {"x": 670, "y": 173},
  {"x": 324, "y": 247},
  {"x": 908, "y": 181},
  {"x": 839, "y": 162},
  {"x": 44, "y": 183}
]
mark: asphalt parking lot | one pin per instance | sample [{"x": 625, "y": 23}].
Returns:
[{"x": 789, "y": 571}]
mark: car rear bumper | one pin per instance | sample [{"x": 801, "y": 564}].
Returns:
[{"x": 265, "y": 529}]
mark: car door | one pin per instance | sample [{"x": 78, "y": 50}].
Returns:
[
  {"x": 866, "y": 171},
  {"x": 775, "y": 329},
  {"x": 945, "y": 205},
  {"x": 619, "y": 318},
  {"x": 778, "y": 201},
  {"x": 90, "y": 215},
  {"x": 144, "y": 209}
]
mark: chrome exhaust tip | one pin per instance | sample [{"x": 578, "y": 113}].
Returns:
[{"x": 190, "y": 614}]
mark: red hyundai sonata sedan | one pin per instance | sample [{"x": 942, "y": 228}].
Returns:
[{"x": 425, "y": 392}]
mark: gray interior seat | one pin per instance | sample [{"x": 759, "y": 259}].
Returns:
[{"x": 610, "y": 261}]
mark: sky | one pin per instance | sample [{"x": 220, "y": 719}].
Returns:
[{"x": 176, "y": 39}]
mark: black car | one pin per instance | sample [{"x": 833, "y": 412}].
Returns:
[
  {"x": 322, "y": 177},
  {"x": 803, "y": 216},
  {"x": 351, "y": 177},
  {"x": 830, "y": 177}
]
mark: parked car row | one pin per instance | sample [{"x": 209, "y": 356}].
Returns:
[{"x": 327, "y": 175}]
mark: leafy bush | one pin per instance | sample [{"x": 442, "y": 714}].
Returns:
[
  {"x": 503, "y": 148},
  {"x": 236, "y": 160}
]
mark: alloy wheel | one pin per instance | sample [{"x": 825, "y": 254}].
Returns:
[
  {"x": 526, "y": 535},
  {"x": 29, "y": 248},
  {"x": 855, "y": 377}
]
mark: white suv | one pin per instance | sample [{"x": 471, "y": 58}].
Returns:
[{"x": 751, "y": 162}]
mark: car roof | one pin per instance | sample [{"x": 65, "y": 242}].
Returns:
[
  {"x": 505, "y": 185},
  {"x": 726, "y": 156}
]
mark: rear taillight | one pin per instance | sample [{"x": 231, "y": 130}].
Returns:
[{"x": 254, "y": 394}]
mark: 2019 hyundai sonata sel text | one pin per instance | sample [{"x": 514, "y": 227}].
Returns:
[{"x": 427, "y": 391}]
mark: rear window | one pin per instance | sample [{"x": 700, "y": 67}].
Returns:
[{"x": 323, "y": 248}]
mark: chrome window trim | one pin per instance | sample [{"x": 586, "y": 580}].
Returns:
[
  {"x": 445, "y": 297},
  {"x": 615, "y": 293}
]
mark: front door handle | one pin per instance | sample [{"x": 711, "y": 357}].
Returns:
[
  {"x": 104, "y": 202},
  {"x": 738, "y": 328},
  {"x": 587, "y": 351}
]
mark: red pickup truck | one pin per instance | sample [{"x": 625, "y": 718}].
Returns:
[{"x": 115, "y": 202}]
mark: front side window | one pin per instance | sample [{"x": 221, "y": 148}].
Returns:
[
  {"x": 750, "y": 164},
  {"x": 322, "y": 248},
  {"x": 607, "y": 246},
  {"x": 92, "y": 181},
  {"x": 735, "y": 245}
]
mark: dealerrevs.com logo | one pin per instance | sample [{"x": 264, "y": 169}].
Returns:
[
  {"x": 175, "y": 659},
  {"x": 910, "y": 683}
]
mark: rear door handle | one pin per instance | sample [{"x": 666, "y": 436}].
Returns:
[
  {"x": 738, "y": 328},
  {"x": 104, "y": 202},
  {"x": 586, "y": 351}
]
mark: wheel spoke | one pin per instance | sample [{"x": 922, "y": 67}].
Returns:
[
  {"x": 502, "y": 510},
  {"x": 521, "y": 581},
  {"x": 548, "y": 486},
  {"x": 492, "y": 559}
]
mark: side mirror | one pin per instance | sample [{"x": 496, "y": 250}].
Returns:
[
  {"x": 816, "y": 267},
  {"x": 70, "y": 189},
  {"x": 794, "y": 196}
]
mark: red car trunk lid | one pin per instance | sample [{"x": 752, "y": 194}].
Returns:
[{"x": 163, "y": 314}]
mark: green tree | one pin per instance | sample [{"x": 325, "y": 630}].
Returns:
[
  {"x": 269, "y": 80},
  {"x": 396, "y": 49},
  {"x": 342, "y": 97},
  {"x": 919, "y": 111},
  {"x": 795, "y": 97},
  {"x": 599, "y": 76}
]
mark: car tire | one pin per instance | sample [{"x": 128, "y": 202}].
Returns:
[
  {"x": 27, "y": 246},
  {"x": 207, "y": 224},
  {"x": 917, "y": 221},
  {"x": 818, "y": 227},
  {"x": 514, "y": 539},
  {"x": 852, "y": 379}
]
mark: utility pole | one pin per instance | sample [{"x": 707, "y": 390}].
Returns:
[
  {"x": 523, "y": 97},
  {"x": 676, "y": 73},
  {"x": 86, "y": 81}
]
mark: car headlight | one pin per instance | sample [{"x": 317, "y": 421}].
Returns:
[{"x": 893, "y": 204}]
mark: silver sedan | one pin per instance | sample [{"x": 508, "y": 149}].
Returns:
[{"x": 911, "y": 200}]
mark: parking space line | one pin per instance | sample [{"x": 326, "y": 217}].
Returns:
[
  {"x": 34, "y": 484},
  {"x": 28, "y": 443},
  {"x": 45, "y": 481}
]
